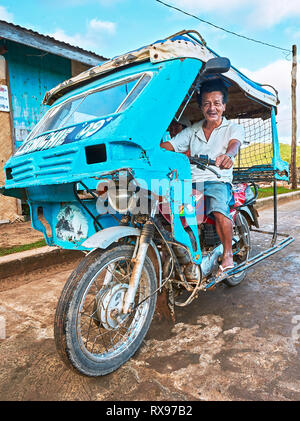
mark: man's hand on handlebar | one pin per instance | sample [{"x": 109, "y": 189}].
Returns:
[
  {"x": 203, "y": 162},
  {"x": 224, "y": 162}
]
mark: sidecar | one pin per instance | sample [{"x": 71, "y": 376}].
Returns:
[{"x": 112, "y": 118}]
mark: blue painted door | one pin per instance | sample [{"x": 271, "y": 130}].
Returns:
[{"x": 32, "y": 72}]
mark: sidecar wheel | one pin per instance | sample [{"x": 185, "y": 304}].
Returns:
[
  {"x": 240, "y": 257},
  {"x": 91, "y": 335}
]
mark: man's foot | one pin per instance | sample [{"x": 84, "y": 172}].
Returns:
[
  {"x": 223, "y": 269},
  {"x": 227, "y": 263}
]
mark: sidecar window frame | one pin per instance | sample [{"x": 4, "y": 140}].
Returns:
[
  {"x": 135, "y": 91},
  {"x": 141, "y": 78}
]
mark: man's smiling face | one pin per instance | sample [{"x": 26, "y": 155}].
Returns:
[{"x": 213, "y": 106}]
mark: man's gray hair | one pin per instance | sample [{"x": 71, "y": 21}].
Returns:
[{"x": 212, "y": 86}]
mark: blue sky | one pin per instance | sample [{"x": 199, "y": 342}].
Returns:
[{"x": 112, "y": 27}]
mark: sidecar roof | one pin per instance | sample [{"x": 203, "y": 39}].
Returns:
[{"x": 181, "y": 46}]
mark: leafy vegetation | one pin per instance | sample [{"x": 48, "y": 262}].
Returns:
[{"x": 268, "y": 191}]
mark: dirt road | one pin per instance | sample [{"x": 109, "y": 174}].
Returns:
[{"x": 231, "y": 344}]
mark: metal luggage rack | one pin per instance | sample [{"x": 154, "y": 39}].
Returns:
[
  {"x": 256, "y": 173},
  {"x": 254, "y": 161}
]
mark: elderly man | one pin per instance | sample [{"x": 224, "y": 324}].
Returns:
[{"x": 220, "y": 139}]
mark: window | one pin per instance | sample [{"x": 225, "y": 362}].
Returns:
[{"x": 93, "y": 104}]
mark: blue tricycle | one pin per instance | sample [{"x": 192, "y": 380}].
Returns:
[{"x": 96, "y": 179}]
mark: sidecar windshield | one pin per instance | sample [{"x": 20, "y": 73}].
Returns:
[{"x": 99, "y": 102}]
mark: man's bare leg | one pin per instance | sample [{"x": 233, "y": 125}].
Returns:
[{"x": 224, "y": 231}]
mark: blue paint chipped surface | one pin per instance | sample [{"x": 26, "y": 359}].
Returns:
[{"x": 71, "y": 224}]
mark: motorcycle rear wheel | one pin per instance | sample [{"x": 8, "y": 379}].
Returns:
[{"x": 87, "y": 335}]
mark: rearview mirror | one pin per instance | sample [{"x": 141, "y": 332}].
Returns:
[{"x": 216, "y": 65}]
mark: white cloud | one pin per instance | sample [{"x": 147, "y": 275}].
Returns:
[
  {"x": 5, "y": 15},
  {"x": 76, "y": 40},
  {"x": 259, "y": 13},
  {"x": 100, "y": 25},
  {"x": 270, "y": 12},
  {"x": 97, "y": 32},
  {"x": 278, "y": 74}
]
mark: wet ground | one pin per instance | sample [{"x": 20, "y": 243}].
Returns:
[{"x": 230, "y": 344}]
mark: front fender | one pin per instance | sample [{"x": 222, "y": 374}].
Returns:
[{"x": 106, "y": 237}]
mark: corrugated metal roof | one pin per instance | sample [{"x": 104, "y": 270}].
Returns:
[{"x": 34, "y": 39}]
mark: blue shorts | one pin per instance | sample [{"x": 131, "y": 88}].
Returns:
[{"x": 219, "y": 197}]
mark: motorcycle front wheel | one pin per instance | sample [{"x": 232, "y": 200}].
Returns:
[{"x": 91, "y": 333}]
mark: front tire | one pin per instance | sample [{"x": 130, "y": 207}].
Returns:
[{"x": 87, "y": 335}]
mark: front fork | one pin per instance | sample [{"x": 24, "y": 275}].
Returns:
[{"x": 145, "y": 239}]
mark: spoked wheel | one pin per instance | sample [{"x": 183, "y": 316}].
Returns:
[
  {"x": 91, "y": 332},
  {"x": 241, "y": 252}
]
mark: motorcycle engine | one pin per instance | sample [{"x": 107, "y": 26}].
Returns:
[{"x": 209, "y": 235}]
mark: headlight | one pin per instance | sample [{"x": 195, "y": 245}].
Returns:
[
  {"x": 119, "y": 195},
  {"x": 121, "y": 200}
]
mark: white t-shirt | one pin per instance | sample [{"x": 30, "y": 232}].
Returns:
[{"x": 193, "y": 138}]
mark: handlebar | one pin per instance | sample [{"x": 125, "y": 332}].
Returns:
[
  {"x": 203, "y": 162},
  {"x": 202, "y": 159}
]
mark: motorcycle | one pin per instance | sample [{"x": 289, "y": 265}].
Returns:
[
  {"x": 98, "y": 176},
  {"x": 112, "y": 295}
]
